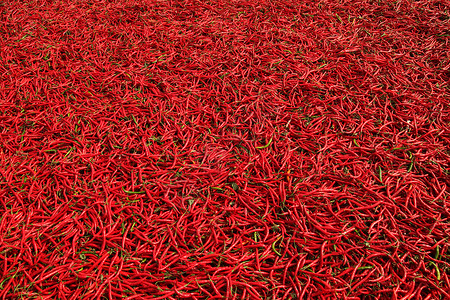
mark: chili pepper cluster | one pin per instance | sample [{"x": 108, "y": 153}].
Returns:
[{"x": 224, "y": 149}]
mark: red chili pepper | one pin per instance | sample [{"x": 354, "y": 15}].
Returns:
[{"x": 205, "y": 155}]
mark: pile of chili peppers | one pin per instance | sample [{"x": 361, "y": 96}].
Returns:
[{"x": 191, "y": 149}]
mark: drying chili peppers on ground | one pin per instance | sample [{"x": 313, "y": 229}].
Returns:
[{"x": 191, "y": 149}]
